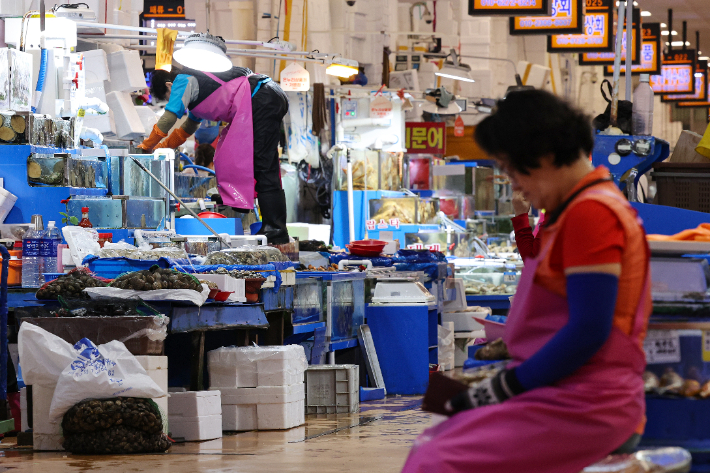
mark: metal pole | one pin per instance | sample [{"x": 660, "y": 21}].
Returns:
[
  {"x": 140, "y": 165},
  {"x": 629, "y": 34},
  {"x": 351, "y": 207},
  {"x": 670, "y": 30},
  {"x": 617, "y": 66}
]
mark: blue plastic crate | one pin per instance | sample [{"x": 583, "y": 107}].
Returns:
[{"x": 111, "y": 268}]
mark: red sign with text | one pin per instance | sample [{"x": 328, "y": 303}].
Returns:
[{"x": 426, "y": 137}]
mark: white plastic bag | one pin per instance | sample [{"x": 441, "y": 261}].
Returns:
[
  {"x": 107, "y": 371},
  {"x": 182, "y": 295}
]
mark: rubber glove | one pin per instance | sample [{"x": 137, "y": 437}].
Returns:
[
  {"x": 155, "y": 136},
  {"x": 493, "y": 390},
  {"x": 176, "y": 138}
]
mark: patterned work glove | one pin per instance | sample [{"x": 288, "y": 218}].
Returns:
[{"x": 494, "y": 390}]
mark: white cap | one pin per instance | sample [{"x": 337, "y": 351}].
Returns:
[
  {"x": 51, "y": 224},
  {"x": 645, "y": 77}
]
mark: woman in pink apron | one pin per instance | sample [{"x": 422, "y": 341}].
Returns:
[
  {"x": 573, "y": 392},
  {"x": 247, "y": 158}
]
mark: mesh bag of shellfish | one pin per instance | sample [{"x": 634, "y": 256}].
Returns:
[
  {"x": 71, "y": 285},
  {"x": 157, "y": 278},
  {"x": 116, "y": 425}
]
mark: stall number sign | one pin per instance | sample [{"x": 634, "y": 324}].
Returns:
[
  {"x": 508, "y": 7},
  {"x": 697, "y": 104},
  {"x": 295, "y": 78},
  {"x": 566, "y": 18},
  {"x": 380, "y": 107},
  {"x": 662, "y": 346},
  {"x": 164, "y": 9},
  {"x": 382, "y": 224},
  {"x": 426, "y": 137},
  {"x": 419, "y": 246},
  {"x": 650, "y": 52},
  {"x": 700, "y": 87},
  {"x": 607, "y": 58},
  {"x": 596, "y": 35},
  {"x": 676, "y": 73}
]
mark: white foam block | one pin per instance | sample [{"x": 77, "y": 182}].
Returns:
[
  {"x": 104, "y": 123},
  {"x": 238, "y": 417},
  {"x": 23, "y": 409},
  {"x": 194, "y": 404},
  {"x": 157, "y": 369},
  {"x": 263, "y": 394},
  {"x": 46, "y": 436},
  {"x": 197, "y": 428},
  {"x": 128, "y": 123},
  {"x": 256, "y": 366},
  {"x": 47, "y": 442},
  {"x": 126, "y": 71},
  {"x": 147, "y": 116},
  {"x": 96, "y": 66}
]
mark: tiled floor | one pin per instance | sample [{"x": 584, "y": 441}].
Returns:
[{"x": 377, "y": 439}]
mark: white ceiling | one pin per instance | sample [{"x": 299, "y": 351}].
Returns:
[{"x": 695, "y": 12}]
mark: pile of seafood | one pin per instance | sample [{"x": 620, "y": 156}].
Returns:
[
  {"x": 493, "y": 351},
  {"x": 247, "y": 256},
  {"x": 144, "y": 255},
  {"x": 404, "y": 209},
  {"x": 500, "y": 248},
  {"x": 237, "y": 273},
  {"x": 359, "y": 176},
  {"x": 331, "y": 268},
  {"x": 157, "y": 278},
  {"x": 489, "y": 289},
  {"x": 71, "y": 285},
  {"x": 673, "y": 384},
  {"x": 117, "y": 425}
]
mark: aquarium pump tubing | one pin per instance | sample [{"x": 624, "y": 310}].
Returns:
[{"x": 140, "y": 165}]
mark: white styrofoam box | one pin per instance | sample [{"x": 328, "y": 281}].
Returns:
[
  {"x": 96, "y": 66},
  {"x": 263, "y": 408},
  {"x": 12, "y": 8},
  {"x": 446, "y": 346},
  {"x": 463, "y": 320},
  {"x": 462, "y": 340},
  {"x": 59, "y": 32},
  {"x": 104, "y": 123},
  {"x": 193, "y": 429},
  {"x": 23, "y": 410},
  {"x": 249, "y": 367},
  {"x": 309, "y": 231},
  {"x": 46, "y": 436},
  {"x": 195, "y": 404},
  {"x": 7, "y": 202},
  {"x": 126, "y": 71},
  {"x": 147, "y": 116},
  {"x": 332, "y": 389},
  {"x": 157, "y": 369},
  {"x": 227, "y": 283},
  {"x": 128, "y": 123}
]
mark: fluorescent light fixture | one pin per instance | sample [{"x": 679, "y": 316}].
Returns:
[
  {"x": 343, "y": 68},
  {"x": 645, "y": 13},
  {"x": 663, "y": 25},
  {"x": 664, "y": 33},
  {"x": 674, "y": 32},
  {"x": 679, "y": 43},
  {"x": 704, "y": 58},
  {"x": 698, "y": 74},
  {"x": 453, "y": 69},
  {"x": 204, "y": 52},
  {"x": 461, "y": 72}
]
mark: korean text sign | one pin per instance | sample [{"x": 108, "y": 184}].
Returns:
[
  {"x": 567, "y": 17},
  {"x": 651, "y": 51},
  {"x": 596, "y": 35},
  {"x": 508, "y": 7},
  {"x": 677, "y": 73},
  {"x": 607, "y": 58},
  {"x": 426, "y": 137}
]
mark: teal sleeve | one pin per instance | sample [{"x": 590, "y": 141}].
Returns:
[{"x": 180, "y": 96}]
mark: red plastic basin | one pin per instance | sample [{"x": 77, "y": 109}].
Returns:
[
  {"x": 210, "y": 215},
  {"x": 223, "y": 296}
]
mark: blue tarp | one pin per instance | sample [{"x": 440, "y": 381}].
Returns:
[{"x": 381, "y": 261}]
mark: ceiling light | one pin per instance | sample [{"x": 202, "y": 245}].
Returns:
[
  {"x": 665, "y": 33},
  {"x": 674, "y": 32},
  {"x": 704, "y": 58},
  {"x": 679, "y": 43},
  {"x": 663, "y": 25},
  {"x": 636, "y": 4},
  {"x": 204, "y": 52},
  {"x": 453, "y": 69},
  {"x": 343, "y": 68},
  {"x": 698, "y": 74},
  {"x": 645, "y": 13}
]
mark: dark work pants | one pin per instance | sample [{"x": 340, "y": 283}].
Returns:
[{"x": 269, "y": 106}]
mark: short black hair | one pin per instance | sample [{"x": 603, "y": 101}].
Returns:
[
  {"x": 204, "y": 154},
  {"x": 528, "y": 125},
  {"x": 158, "y": 81}
]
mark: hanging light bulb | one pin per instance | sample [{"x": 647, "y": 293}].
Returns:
[
  {"x": 204, "y": 52},
  {"x": 455, "y": 70},
  {"x": 341, "y": 67}
]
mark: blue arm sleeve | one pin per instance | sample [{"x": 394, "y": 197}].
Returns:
[
  {"x": 179, "y": 96},
  {"x": 592, "y": 300},
  {"x": 193, "y": 117}
]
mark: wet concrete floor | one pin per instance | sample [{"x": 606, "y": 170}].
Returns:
[{"x": 377, "y": 438}]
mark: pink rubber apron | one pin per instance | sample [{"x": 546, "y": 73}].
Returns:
[
  {"x": 561, "y": 428},
  {"x": 234, "y": 156}
]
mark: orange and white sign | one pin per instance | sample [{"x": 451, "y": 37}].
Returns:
[{"x": 294, "y": 78}]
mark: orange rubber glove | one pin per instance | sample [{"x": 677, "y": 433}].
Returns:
[
  {"x": 176, "y": 138},
  {"x": 155, "y": 136}
]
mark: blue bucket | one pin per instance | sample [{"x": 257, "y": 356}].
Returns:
[
  {"x": 51, "y": 276},
  {"x": 255, "y": 227}
]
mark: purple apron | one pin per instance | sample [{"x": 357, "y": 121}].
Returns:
[{"x": 234, "y": 158}]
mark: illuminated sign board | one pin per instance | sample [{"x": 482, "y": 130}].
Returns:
[
  {"x": 677, "y": 73},
  {"x": 701, "y": 86},
  {"x": 508, "y": 7},
  {"x": 596, "y": 36},
  {"x": 698, "y": 103},
  {"x": 567, "y": 17},
  {"x": 651, "y": 51},
  {"x": 163, "y": 9},
  {"x": 602, "y": 59}
]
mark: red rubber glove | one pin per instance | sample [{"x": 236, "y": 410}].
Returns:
[
  {"x": 176, "y": 138},
  {"x": 155, "y": 136}
]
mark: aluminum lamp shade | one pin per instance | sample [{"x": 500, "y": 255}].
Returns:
[
  {"x": 204, "y": 52},
  {"x": 461, "y": 73},
  {"x": 343, "y": 68}
]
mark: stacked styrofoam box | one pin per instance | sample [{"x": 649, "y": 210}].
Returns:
[
  {"x": 195, "y": 415},
  {"x": 128, "y": 123},
  {"x": 23, "y": 410},
  {"x": 157, "y": 369},
  {"x": 332, "y": 389},
  {"x": 262, "y": 387},
  {"x": 96, "y": 66},
  {"x": 147, "y": 116},
  {"x": 446, "y": 346},
  {"x": 46, "y": 436},
  {"x": 227, "y": 283}
]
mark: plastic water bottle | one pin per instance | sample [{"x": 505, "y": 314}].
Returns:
[
  {"x": 48, "y": 249},
  {"x": 642, "y": 115},
  {"x": 30, "y": 258}
]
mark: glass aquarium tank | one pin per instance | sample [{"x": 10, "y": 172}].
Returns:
[
  {"x": 366, "y": 169},
  {"x": 391, "y": 167},
  {"x": 308, "y": 301},
  {"x": 487, "y": 277},
  {"x": 386, "y": 208}
]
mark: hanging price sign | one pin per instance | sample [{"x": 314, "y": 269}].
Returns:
[
  {"x": 459, "y": 127},
  {"x": 662, "y": 346},
  {"x": 651, "y": 51},
  {"x": 381, "y": 107},
  {"x": 294, "y": 78},
  {"x": 567, "y": 17},
  {"x": 597, "y": 33},
  {"x": 677, "y": 73}
]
